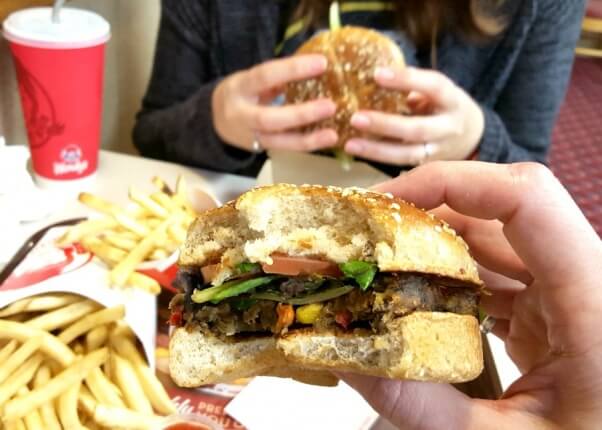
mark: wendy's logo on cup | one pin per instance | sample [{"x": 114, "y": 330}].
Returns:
[
  {"x": 71, "y": 161},
  {"x": 38, "y": 108}
]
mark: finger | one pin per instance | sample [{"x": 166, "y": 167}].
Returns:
[
  {"x": 497, "y": 282},
  {"x": 306, "y": 142},
  {"x": 390, "y": 153},
  {"x": 499, "y": 304},
  {"x": 275, "y": 73},
  {"x": 528, "y": 199},
  {"x": 434, "y": 85},
  {"x": 488, "y": 244},
  {"x": 409, "y": 404},
  {"x": 270, "y": 119},
  {"x": 406, "y": 128}
]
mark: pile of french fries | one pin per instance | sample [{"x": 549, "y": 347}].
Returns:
[
  {"x": 68, "y": 363},
  {"x": 152, "y": 227}
]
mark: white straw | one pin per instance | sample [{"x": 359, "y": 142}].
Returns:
[{"x": 58, "y": 4}]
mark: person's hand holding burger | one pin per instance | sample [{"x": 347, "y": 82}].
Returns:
[
  {"x": 542, "y": 262},
  {"x": 446, "y": 123}
]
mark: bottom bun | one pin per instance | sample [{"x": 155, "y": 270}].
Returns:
[{"x": 424, "y": 346}]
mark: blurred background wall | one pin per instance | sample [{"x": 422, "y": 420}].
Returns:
[{"x": 129, "y": 59}]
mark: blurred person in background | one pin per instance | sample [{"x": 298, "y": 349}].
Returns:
[{"x": 492, "y": 72}]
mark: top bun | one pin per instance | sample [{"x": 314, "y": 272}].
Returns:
[
  {"x": 353, "y": 54},
  {"x": 331, "y": 223}
]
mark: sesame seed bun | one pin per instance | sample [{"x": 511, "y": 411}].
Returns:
[
  {"x": 332, "y": 223},
  {"x": 353, "y": 54}
]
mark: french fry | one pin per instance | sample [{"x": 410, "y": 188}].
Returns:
[
  {"x": 33, "y": 421},
  {"x": 67, "y": 406},
  {"x": 102, "y": 389},
  {"x": 152, "y": 387},
  {"x": 152, "y": 223},
  {"x": 131, "y": 224},
  {"x": 86, "y": 401},
  {"x": 19, "y": 357},
  {"x": 159, "y": 254},
  {"x": 86, "y": 228},
  {"x": 126, "y": 380},
  {"x": 78, "y": 348},
  {"x": 51, "y": 345},
  {"x": 121, "y": 241},
  {"x": 44, "y": 302},
  {"x": 88, "y": 322},
  {"x": 96, "y": 337},
  {"x": 18, "y": 379},
  {"x": 180, "y": 197},
  {"x": 161, "y": 185},
  {"x": 121, "y": 329},
  {"x": 165, "y": 201},
  {"x": 15, "y": 425},
  {"x": 47, "y": 411},
  {"x": 177, "y": 233},
  {"x": 63, "y": 316},
  {"x": 147, "y": 203},
  {"x": 107, "y": 253},
  {"x": 98, "y": 203},
  {"x": 19, "y": 407},
  {"x": 112, "y": 417},
  {"x": 7, "y": 350},
  {"x": 123, "y": 270},
  {"x": 144, "y": 282}
]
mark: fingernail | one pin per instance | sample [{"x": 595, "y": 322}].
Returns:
[
  {"x": 384, "y": 73},
  {"x": 353, "y": 146},
  {"x": 360, "y": 120}
]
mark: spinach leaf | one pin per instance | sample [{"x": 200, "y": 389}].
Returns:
[
  {"x": 248, "y": 267},
  {"x": 229, "y": 289},
  {"x": 361, "y": 272}
]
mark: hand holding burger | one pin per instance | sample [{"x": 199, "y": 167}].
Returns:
[
  {"x": 387, "y": 112},
  {"x": 541, "y": 260}
]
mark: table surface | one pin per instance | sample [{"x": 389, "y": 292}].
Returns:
[{"x": 119, "y": 171}]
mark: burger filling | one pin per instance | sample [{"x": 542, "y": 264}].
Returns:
[{"x": 295, "y": 293}]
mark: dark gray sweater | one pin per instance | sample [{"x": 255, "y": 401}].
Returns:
[{"x": 519, "y": 78}]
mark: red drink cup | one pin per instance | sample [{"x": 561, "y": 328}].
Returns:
[{"x": 60, "y": 74}]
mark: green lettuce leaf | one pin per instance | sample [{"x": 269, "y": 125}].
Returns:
[
  {"x": 229, "y": 289},
  {"x": 361, "y": 272},
  {"x": 248, "y": 267}
]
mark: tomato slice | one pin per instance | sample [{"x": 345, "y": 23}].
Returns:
[
  {"x": 295, "y": 266},
  {"x": 210, "y": 272}
]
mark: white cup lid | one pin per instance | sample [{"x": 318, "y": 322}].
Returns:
[{"x": 77, "y": 28}]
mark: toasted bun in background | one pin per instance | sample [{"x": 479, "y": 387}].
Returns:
[
  {"x": 423, "y": 346},
  {"x": 339, "y": 225},
  {"x": 353, "y": 54}
]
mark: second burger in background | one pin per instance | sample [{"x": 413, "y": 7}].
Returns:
[
  {"x": 353, "y": 54},
  {"x": 325, "y": 279}
]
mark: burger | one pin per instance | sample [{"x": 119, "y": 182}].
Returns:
[
  {"x": 304, "y": 280},
  {"x": 353, "y": 54}
]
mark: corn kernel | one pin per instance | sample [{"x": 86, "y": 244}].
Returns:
[{"x": 309, "y": 313}]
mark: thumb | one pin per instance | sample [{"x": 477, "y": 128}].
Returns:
[{"x": 415, "y": 405}]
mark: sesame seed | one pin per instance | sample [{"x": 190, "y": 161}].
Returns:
[
  {"x": 396, "y": 217},
  {"x": 388, "y": 195},
  {"x": 438, "y": 229},
  {"x": 395, "y": 206}
]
